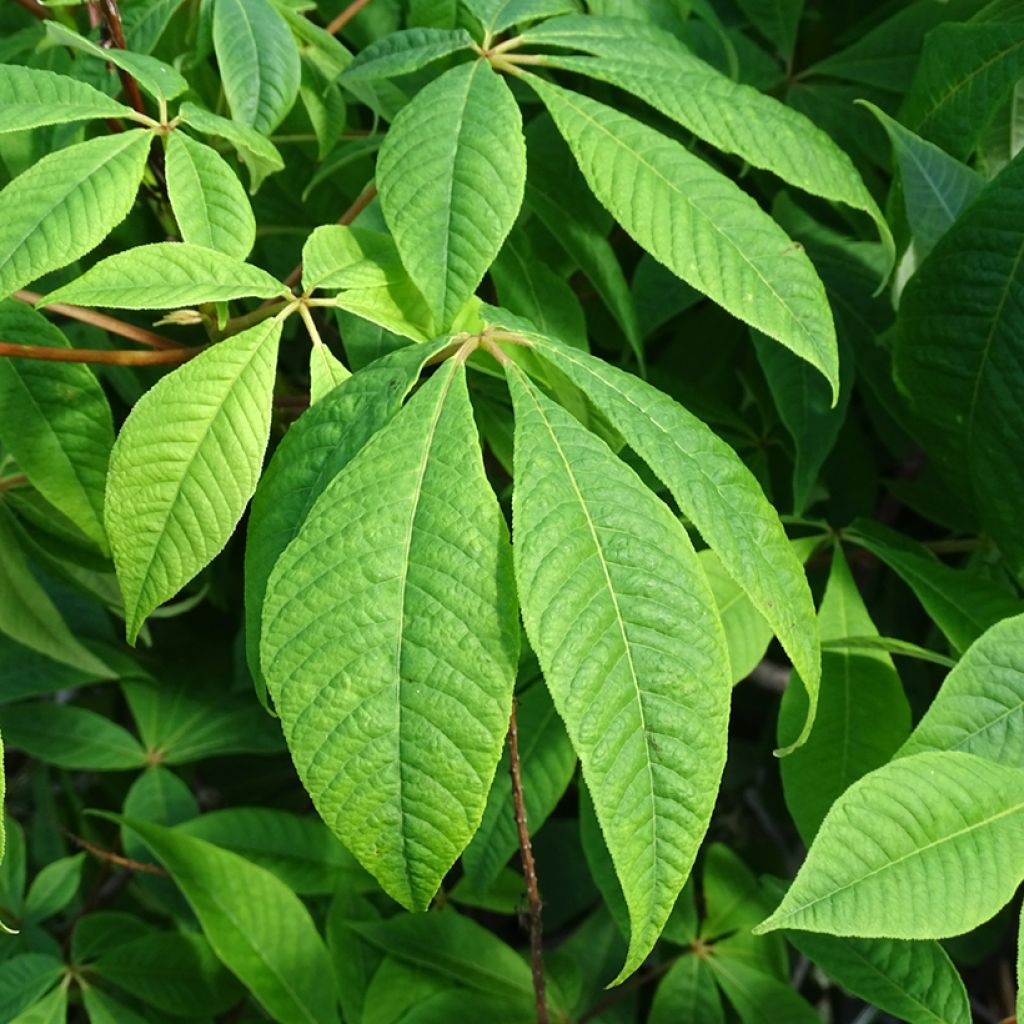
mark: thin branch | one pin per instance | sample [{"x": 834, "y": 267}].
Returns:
[
  {"x": 112, "y": 20},
  {"x": 529, "y": 872},
  {"x": 37, "y": 10},
  {"x": 110, "y": 357},
  {"x": 101, "y": 320},
  {"x": 113, "y": 858},
  {"x": 341, "y": 20}
]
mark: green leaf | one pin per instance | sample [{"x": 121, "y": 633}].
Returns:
[
  {"x": 759, "y": 998},
  {"x": 53, "y": 888},
  {"x": 324, "y": 103},
  {"x": 980, "y": 708},
  {"x": 185, "y": 464},
  {"x": 889, "y": 644},
  {"x": 925, "y": 847},
  {"x": 336, "y": 256},
  {"x": 70, "y": 737},
  {"x": 699, "y": 224},
  {"x": 158, "y": 795},
  {"x": 401, "y": 53},
  {"x": 397, "y": 307},
  {"x": 687, "y": 993},
  {"x": 24, "y": 979},
  {"x": 716, "y": 492},
  {"x": 777, "y": 20},
  {"x": 626, "y": 630},
  {"x": 497, "y": 15},
  {"x": 326, "y": 372},
  {"x": 914, "y": 981},
  {"x": 1020, "y": 967},
  {"x": 66, "y": 204},
  {"x": 863, "y": 715},
  {"x": 316, "y": 448},
  {"x": 258, "y": 153},
  {"x": 395, "y": 702},
  {"x": 28, "y": 616},
  {"x": 547, "y": 763},
  {"x": 104, "y": 1009},
  {"x": 33, "y": 97},
  {"x": 166, "y": 275},
  {"x": 208, "y": 200},
  {"x": 256, "y": 925},
  {"x": 259, "y": 61},
  {"x": 56, "y": 421},
  {"x": 451, "y": 175}
]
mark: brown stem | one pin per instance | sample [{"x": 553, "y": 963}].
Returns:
[
  {"x": 110, "y": 357},
  {"x": 112, "y": 20},
  {"x": 529, "y": 872},
  {"x": 101, "y": 320},
  {"x": 113, "y": 858},
  {"x": 37, "y": 10},
  {"x": 342, "y": 19}
]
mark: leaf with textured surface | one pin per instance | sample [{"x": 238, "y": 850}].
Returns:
[
  {"x": 257, "y": 152},
  {"x": 626, "y": 629},
  {"x": 56, "y": 421},
  {"x": 716, "y": 491},
  {"x": 256, "y": 925},
  {"x": 498, "y": 15},
  {"x": 185, "y": 464},
  {"x": 66, "y": 204},
  {"x": 699, "y": 224},
  {"x": 926, "y": 847},
  {"x": 451, "y": 174},
  {"x": 208, "y": 200},
  {"x": 403, "y": 52},
  {"x": 688, "y": 993},
  {"x": 33, "y": 97},
  {"x": 395, "y": 700},
  {"x": 166, "y": 275},
  {"x": 337, "y": 256}
]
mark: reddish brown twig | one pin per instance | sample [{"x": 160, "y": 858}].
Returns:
[
  {"x": 341, "y": 20},
  {"x": 529, "y": 873},
  {"x": 37, "y": 10},
  {"x": 113, "y": 858},
  {"x": 112, "y": 21},
  {"x": 110, "y": 357}
]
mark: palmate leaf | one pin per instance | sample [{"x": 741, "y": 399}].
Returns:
[
  {"x": 185, "y": 464},
  {"x": 66, "y": 204},
  {"x": 32, "y": 97},
  {"x": 403, "y": 52},
  {"x": 699, "y": 224},
  {"x": 626, "y": 630},
  {"x": 926, "y": 847},
  {"x": 451, "y": 175},
  {"x": 390, "y": 642}
]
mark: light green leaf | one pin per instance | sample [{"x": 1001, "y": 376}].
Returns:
[
  {"x": 777, "y": 20},
  {"x": 326, "y": 372},
  {"x": 925, "y": 847},
  {"x": 70, "y": 737},
  {"x": 166, "y": 275},
  {"x": 759, "y": 998},
  {"x": 185, "y": 464},
  {"x": 626, "y": 630},
  {"x": 53, "y": 888},
  {"x": 28, "y": 616},
  {"x": 259, "y": 61},
  {"x": 56, "y": 421},
  {"x": 395, "y": 704},
  {"x": 980, "y": 708},
  {"x": 863, "y": 715},
  {"x": 497, "y": 15},
  {"x": 890, "y": 644},
  {"x": 256, "y": 925},
  {"x": 258, "y": 153},
  {"x": 403, "y": 52},
  {"x": 336, "y": 256},
  {"x": 208, "y": 200},
  {"x": 914, "y": 981},
  {"x": 699, "y": 224},
  {"x": 716, "y": 492},
  {"x": 154, "y": 76},
  {"x": 451, "y": 175},
  {"x": 687, "y": 993},
  {"x": 24, "y": 979},
  {"x": 66, "y": 204},
  {"x": 397, "y": 307},
  {"x": 33, "y": 97}
]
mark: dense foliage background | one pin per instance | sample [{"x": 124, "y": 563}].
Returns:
[{"x": 803, "y": 222}]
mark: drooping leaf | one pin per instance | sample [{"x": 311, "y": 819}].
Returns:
[
  {"x": 56, "y": 421},
  {"x": 208, "y": 200},
  {"x": 925, "y": 847},
  {"x": 185, "y": 465},
  {"x": 403, "y": 52},
  {"x": 687, "y": 993},
  {"x": 699, "y": 224},
  {"x": 33, "y": 97},
  {"x": 625, "y": 627},
  {"x": 256, "y": 151},
  {"x": 256, "y": 925},
  {"x": 395, "y": 704},
  {"x": 66, "y": 204},
  {"x": 259, "y": 61},
  {"x": 451, "y": 175}
]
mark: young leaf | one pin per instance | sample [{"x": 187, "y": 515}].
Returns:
[
  {"x": 699, "y": 224},
  {"x": 208, "y": 200},
  {"x": 716, "y": 491},
  {"x": 259, "y": 61},
  {"x": 33, "y": 97},
  {"x": 925, "y": 847},
  {"x": 401, "y": 53},
  {"x": 395, "y": 703},
  {"x": 626, "y": 629},
  {"x": 980, "y": 708},
  {"x": 166, "y": 275},
  {"x": 326, "y": 372},
  {"x": 258, "y": 153},
  {"x": 451, "y": 175},
  {"x": 55, "y": 420},
  {"x": 66, "y": 204},
  {"x": 256, "y": 925},
  {"x": 185, "y": 464},
  {"x": 688, "y": 993}
]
